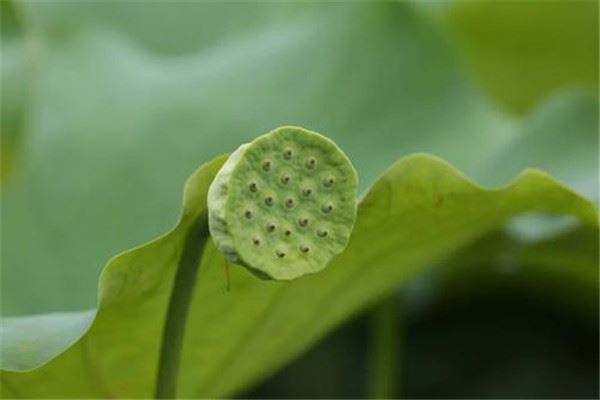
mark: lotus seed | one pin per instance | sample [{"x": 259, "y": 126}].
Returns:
[{"x": 296, "y": 169}]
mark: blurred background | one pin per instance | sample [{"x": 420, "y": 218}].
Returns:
[{"x": 107, "y": 107}]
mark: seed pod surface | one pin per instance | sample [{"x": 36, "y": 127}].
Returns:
[{"x": 284, "y": 204}]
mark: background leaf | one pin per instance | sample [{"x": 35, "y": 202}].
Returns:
[
  {"x": 526, "y": 310},
  {"x": 18, "y": 76},
  {"x": 508, "y": 316},
  {"x": 521, "y": 52},
  {"x": 122, "y": 119}
]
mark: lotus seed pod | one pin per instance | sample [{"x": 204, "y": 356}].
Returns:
[{"x": 283, "y": 205}]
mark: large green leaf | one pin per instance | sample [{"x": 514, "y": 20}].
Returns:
[{"x": 421, "y": 211}]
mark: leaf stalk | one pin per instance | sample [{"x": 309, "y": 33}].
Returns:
[{"x": 179, "y": 304}]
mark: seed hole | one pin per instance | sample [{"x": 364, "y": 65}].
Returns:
[
  {"x": 256, "y": 241},
  {"x": 270, "y": 227},
  {"x": 311, "y": 163},
  {"x": 322, "y": 233},
  {"x": 289, "y": 203},
  {"x": 269, "y": 201},
  {"x": 327, "y": 208},
  {"x": 304, "y": 248},
  {"x": 306, "y": 191},
  {"x": 328, "y": 182},
  {"x": 287, "y": 232},
  {"x": 287, "y": 154},
  {"x": 253, "y": 187},
  {"x": 266, "y": 165},
  {"x": 280, "y": 253},
  {"x": 248, "y": 214},
  {"x": 285, "y": 179},
  {"x": 303, "y": 222}
]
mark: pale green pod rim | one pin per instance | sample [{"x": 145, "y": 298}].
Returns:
[{"x": 284, "y": 204}]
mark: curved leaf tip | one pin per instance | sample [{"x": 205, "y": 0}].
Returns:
[{"x": 30, "y": 341}]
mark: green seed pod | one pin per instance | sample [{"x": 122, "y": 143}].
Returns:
[{"x": 284, "y": 204}]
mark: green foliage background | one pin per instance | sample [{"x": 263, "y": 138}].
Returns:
[{"x": 107, "y": 107}]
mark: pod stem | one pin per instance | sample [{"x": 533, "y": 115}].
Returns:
[
  {"x": 385, "y": 331},
  {"x": 179, "y": 304}
]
